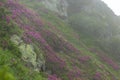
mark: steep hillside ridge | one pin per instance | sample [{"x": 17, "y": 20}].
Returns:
[
  {"x": 89, "y": 6},
  {"x": 47, "y": 48},
  {"x": 57, "y": 33}
]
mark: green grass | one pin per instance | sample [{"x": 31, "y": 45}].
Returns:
[{"x": 17, "y": 67}]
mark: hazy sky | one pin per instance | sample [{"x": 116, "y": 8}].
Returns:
[{"x": 114, "y": 5}]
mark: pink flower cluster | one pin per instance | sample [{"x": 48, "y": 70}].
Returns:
[
  {"x": 8, "y": 19},
  {"x": 84, "y": 59},
  {"x": 31, "y": 34},
  {"x": 74, "y": 73},
  {"x": 71, "y": 47},
  {"x": 19, "y": 11},
  {"x": 53, "y": 77},
  {"x": 97, "y": 76},
  {"x": 1, "y": 4},
  {"x": 31, "y": 23},
  {"x": 110, "y": 62},
  {"x": 61, "y": 43}
]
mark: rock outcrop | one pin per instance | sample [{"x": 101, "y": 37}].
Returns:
[
  {"x": 59, "y": 6},
  {"x": 28, "y": 54}
]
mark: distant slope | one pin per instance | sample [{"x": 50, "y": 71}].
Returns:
[{"x": 95, "y": 22}]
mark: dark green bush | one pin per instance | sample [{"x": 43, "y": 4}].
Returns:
[{"x": 5, "y": 74}]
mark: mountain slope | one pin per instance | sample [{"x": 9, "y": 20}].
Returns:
[
  {"x": 44, "y": 46},
  {"x": 97, "y": 24}
]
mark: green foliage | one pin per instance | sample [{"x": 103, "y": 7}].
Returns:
[
  {"x": 17, "y": 66},
  {"x": 5, "y": 24},
  {"x": 93, "y": 26},
  {"x": 7, "y": 28},
  {"x": 111, "y": 46},
  {"x": 5, "y": 57},
  {"x": 76, "y": 6},
  {"x": 5, "y": 74},
  {"x": 25, "y": 73},
  {"x": 3, "y": 0}
]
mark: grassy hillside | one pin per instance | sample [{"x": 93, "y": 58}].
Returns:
[{"x": 69, "y": 54}]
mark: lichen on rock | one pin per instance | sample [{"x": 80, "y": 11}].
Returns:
[{"x": 28, "y": 53}]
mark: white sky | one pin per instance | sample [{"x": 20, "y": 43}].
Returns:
[{"x": 114, "y": 5}]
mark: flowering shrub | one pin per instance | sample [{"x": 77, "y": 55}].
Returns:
[
  {"x": 58, "y": 43},
  {"x": 97, "y": 76},
  {"x": 74, "y": 73},
  {"x": 1, "y": 4},
  {"x": 53, "y": 77},
  {"x": 110, "y": 62},
  {"x": 31, "y": 24},
  {"x": 19, "y": 11},
  {"x": 84, "y": 59},
  {"x": 5, "y": 27}
]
